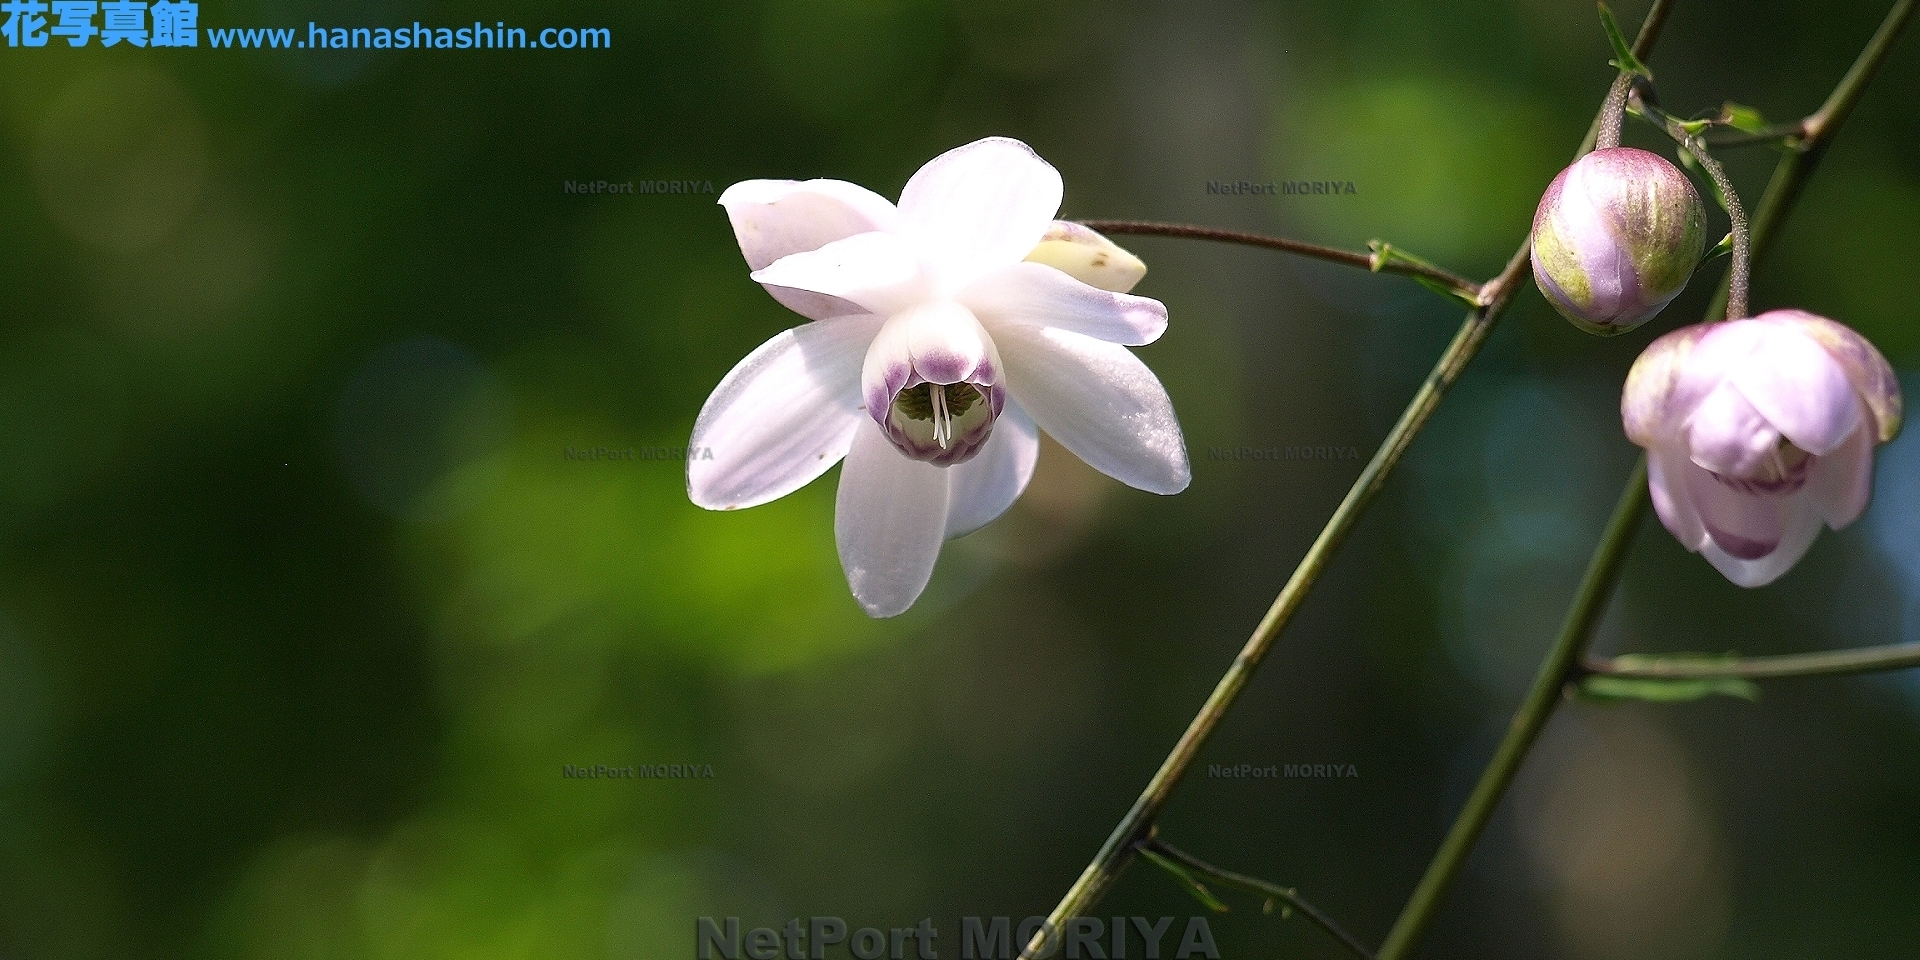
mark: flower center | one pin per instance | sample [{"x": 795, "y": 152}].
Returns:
[
  {"x": 939, "y": 403},
  {"x": 1783, "y": 472}
]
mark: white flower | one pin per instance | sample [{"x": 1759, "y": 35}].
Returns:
[
  {"x": 1757, "y": 431},
  {"x": 935, "y": 350}
]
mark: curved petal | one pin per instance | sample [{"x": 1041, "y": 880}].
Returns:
[
  {"x": 1651, "y": 409},
  {"x": 1667, "y": 468},
  {"x": 1727, "y": 435},
  {"x": 947, "y": 343},
  {"x": 878, "y": 271},
  {"x": 1799, "y": 388},
  {"x": 1801, "y": 530},
  {"x": 1872, "y": 377},
  {"x": 983, "y": 488},
  {"x": 1085, "y": 255},
  {"x": 890, "y": 517},
  {"x": 977, "y": 207},
  {"x": 1841, "y": 483},
  {"x": 1747, "y": 526},
  {"x": 1035, "y": 295},
  {"x": 774, "y": 218},
  {"x": 887, "y": 367},
  {"x": 780, "y": 417},
  {"x": 1100, "y": 402}
]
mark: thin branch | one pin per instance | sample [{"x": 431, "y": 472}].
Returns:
[
  {"x": 1828, "y": 663},
  {"x": 1614, "y": 112},
  {"x": 1117, "y": 852},
  {"x": 1782, "y": 191},
  {"x": 1460, "y": 285},
  {"x": 1271, "y": 891}
]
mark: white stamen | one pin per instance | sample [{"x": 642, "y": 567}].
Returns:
[{"x": 942, "y": 421}]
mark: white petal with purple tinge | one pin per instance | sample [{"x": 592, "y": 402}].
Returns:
[
  {"x": 782, "y": 416},
  {"x": 983, "y": 488},
  {"x": 889, "y": 520},
  {"x": 977, "y": 207},
  {"x": 878, "y": 271},
  {"x": 1100, "y": 402},
  {"x": 1035, "y": 295}
]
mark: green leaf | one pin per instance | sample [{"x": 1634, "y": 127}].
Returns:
[
  {"x": 1602, "y": 686},
  {"x": 1186, "y": 879},
  {"x": 1742, "y": 118},
  {"x": 1623, "y": 57},
  {"x": 1721, "y": 249},
  {"x": 1385, "y": 253}
]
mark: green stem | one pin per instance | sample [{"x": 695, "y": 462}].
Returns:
[
  {"x": 1596, "y": 588},
  {"x": 1271, "y": 891},
  {"x": 1830, "y": 663},
  {"x": 1459, "y": 285},
  {"x": 1614, "y": 112},
  {"x": 1776, "y": 203},
  {"x": 1117, "y": 852},
  {"x": 1737, "y": 277}
]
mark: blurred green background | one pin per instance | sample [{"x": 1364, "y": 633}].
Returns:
[{"x": 303, "y": 608}]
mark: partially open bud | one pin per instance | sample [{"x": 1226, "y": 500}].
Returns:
[
  {"x": 1759, "y": 432},
  {"x": 1088, "y": 257},
  {"x": 1615, "y": 239}
]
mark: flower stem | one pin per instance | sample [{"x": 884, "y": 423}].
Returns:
[
  {"x": 1271, "y": 891},
  {"x": 1693, "y": 144},
  {"x": 1784, "y": 188},
  {"x": 1828, "y": 663},
  {"x": 1459, "y": 285},
  {"x": 1614, "y": 112},
  {"x": 1117, "y": 852},
  {"x": 1596, "y": 588}
]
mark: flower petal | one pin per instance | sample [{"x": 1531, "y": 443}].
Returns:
[
  {"x": 1744, "y": 525},
  {"x": 977, "y": 207},
  {"x": 1865, "y": 367},
  {"x": 889, "y": 520},
  {"x": 1801, "y": 530},
  {"x": 1727, "y": 435},
  {"x": 782, "y": 416},
  {"x": 1667, "y": 469},
  {"x": 878, "y": 271},
  {"x": 775, "y": 218},
  {"x": 1651, "y": 407},
  {"x": 1798, "y": 386},
  {"x": 887, "y": 368},
  {"x": 983, "y": 488},
  {"x": 1100, "y": 402},
  {"x": 1035, "y": 295},
  {"x": 1085, "y": 255},
  {"x": 1841, "y": 483},
  {"x": 947, "y": 343}
]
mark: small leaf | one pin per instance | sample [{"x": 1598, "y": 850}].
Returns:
[
  {"x": 1195, "y": 887},
  {"x": 1721, "y": 249},
  {"x": 1602, "y": 687},
  {"x": 1742, "y": 118},
  {"x": 1623, "y": 57},
  {"x": 1385, "y": 253}
]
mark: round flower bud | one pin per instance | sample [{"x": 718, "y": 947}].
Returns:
[{"x": 1615, "y": 239}]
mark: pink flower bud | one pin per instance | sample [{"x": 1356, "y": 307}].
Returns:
[
  {"x": 1757, "y": 432},
  {"x": 1615, "y": 239}
]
